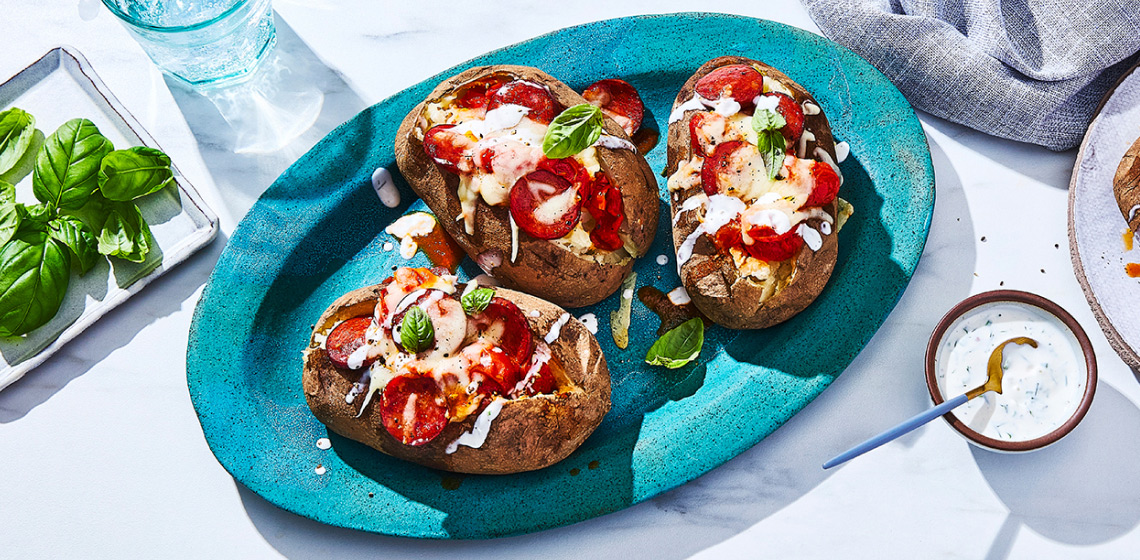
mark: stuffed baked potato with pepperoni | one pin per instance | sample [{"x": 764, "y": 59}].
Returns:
[
  {"x": 563, "y": 228},
  {"x": 753, "y": 189},
  {"x": 456, "y": 377}
]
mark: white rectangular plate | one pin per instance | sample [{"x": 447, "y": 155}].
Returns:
[{"x": 56, "y": 88}]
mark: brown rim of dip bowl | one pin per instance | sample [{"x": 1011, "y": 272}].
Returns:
[{"x": 1011, "y": 296}]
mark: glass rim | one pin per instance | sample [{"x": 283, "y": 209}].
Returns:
[{"x": 114, "y": 8}]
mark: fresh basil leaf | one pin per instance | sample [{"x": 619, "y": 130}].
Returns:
[
  {"x": 416, "y": 332},
  {"x": 476, "y": 300},
  {"x": 7, "y": 192},
  {"x": 67, "y": 167},
  {"x": 572, "y": 131},
  {"x": 9, "y": 221},
  {"x": 36, "y": 271},
  {"x": 679, "y": 346},
  {"x": 94, "y": 213},
  {"x": 34, "y": 217},
  {"x": 134, "y": 172},
  {"x": 76, "y": 236},
  {"x": 772, "y": 148},
  {"x": 767, "y": 119},
  {"x": 125, "y": 234},
  {"x": 17, "y": 128}
]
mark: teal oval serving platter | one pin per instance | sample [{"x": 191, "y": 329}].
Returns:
[{"x": 318, "y": 232}]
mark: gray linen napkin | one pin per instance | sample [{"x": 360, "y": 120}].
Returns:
[{"x": 1028, "y": 70}]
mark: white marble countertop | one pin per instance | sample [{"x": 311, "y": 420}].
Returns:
[{"x": 103, "y": 455}]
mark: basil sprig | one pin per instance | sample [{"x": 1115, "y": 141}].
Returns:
[
  {"x": 769, "y": 141},
  {"x": 416, "y": 332},
  {"x": 572, "y": 131},
  {"x": 476, "y": 300},
  {"x": 679, "y": 346},
  {"x": 73, "y": 222}
]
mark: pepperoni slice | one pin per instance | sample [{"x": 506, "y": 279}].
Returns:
[
  {"x": 728, "y": 236},
  {"x": 448, "y": 149},
  {"x": 606, "y": 207},
  {"x": 345, "y": 339},
  {"x": 545, "y": 205},
  {"x": 541, "y": 383},
  {"x": 731, "y": 167},
  {"x": 500, "y": 372},
  {"x": 476, "y": 94},
  {"x": 769, "y": 246},
  {"x": 706, "y": 130},
  {"x": 526, "y": 94},
  {"x": 413, "y": 409},
  {"x": 503, "y": 324},
  {"x": 738, "y": 81},
  {"x": 571, "y": 170},
  {"x": 793, "y": 114},
  {"x": 826, "y": 184},
  {"x": 618, "y": 100}
]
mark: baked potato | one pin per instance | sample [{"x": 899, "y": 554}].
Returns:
[
  {"x": 1126, "y": 186},
  {"x": 570, "y": 236},
  {"x": 498, "y": 382},
  {"x": 753, "y": 186}
]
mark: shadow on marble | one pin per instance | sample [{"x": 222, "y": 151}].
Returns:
[
  {"x": 1082, "y": 490},
  {"x": 116, "y": 329},
  {"x": 242, "y": 177},
  {"x": 1020, "y": 157}
]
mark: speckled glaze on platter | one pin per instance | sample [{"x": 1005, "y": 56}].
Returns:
[
  {"x": 317, "y": 233},
  {"x": 1096, "y": 225}
]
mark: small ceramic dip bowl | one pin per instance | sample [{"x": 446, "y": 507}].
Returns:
[{"x": 1046, "y": 390}]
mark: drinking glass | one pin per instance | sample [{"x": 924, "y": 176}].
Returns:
[{"x": 204, "y": 43}]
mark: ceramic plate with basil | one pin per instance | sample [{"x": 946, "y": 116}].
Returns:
[
  {"x": 667, "y": 425},
  {"x": 90, "y": 209}
]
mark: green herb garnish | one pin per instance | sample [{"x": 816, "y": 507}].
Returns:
[
  {"x": 679, "y": 346},
  {"x": 572, "y": 131},
  {"x": 416, "y": 332},
  {"x": 769, "y": 141},
  {"x": 476, "y": 300}
]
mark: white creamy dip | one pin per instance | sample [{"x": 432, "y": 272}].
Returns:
[{"x": 1041, "y": 387}]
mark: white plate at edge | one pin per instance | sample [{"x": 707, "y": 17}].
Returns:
[
  {"x": 1096, "y": 227},
  {"x": 60, "y": 86}
]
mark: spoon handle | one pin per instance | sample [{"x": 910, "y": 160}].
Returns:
[{"x": 916, "y": 421}]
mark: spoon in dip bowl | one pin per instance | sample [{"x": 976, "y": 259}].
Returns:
[{"x": 994, "y": 372}]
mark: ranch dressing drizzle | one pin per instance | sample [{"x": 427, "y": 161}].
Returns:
[
  {"x": 810, "y": 108},
  {"x": 357, "y": 387},
  {"x": 590, "y": 321},
  {"x": 1041, "y": 387},
  {"x": 721, "y": 210},
  {"x": 556, "y": 328},
  {"x": 842, "y": 150},
  {"x": 614, "y": 143},
  {"x": 825, "y": 228},
  {"x": 806, "y": 137},
  {"x": 1132, "y": 212},
  {"x": 478, "y": 434},
  {"x": 385, "y": 188},
  {"x": 811, "y": 237},
  {"x": 826, "y": 158},
  {"x": 725, "y": 106},
  {"x": 540, "y": 357},
  {"x": 514, "y": 238}
]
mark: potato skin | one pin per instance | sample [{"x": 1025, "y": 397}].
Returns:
[
  {"x": 711, "y": 278},
  {"x": 529, "y": 433},
  {"x": 542, "y": 268},
  {"x": 1126, "y": 185}
]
